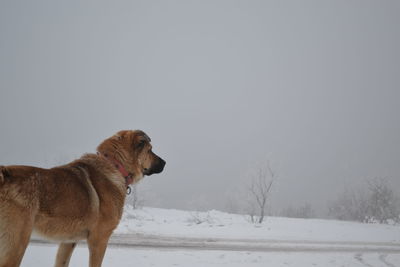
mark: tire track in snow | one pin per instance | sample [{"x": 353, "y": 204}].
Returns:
[
  {"x": 153, "y": 241},
  {"x": 359, "y": 258},
  {"x": 162, "y": 238},
  {"x": 383, "y": 259}
]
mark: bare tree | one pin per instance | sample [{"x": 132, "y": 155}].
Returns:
[
  {"x": 260, "y": 190},
  {"x": 378, "y": 204},
  {"x": 383, "y": 205}
]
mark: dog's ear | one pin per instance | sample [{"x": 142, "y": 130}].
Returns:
[
  {"x": 120, "y": 135},
  {"x": 141, "y": 136}
]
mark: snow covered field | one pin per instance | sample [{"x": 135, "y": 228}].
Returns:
[
  {"x": 216, "y": 224},
  {"x": 160, "y": 237}
]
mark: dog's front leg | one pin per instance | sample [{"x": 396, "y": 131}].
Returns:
[{"x": 97, "y": 247}]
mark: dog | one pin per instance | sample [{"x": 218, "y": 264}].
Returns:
[{"x": 82, "y": 200}]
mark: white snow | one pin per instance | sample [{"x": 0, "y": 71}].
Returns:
[
  {"x": 167, "y": 224},
  {"x": 216, "y": 224},
  {"x": 42, "y": 256}
]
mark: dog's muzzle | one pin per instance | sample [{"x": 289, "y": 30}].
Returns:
[{"x": 157, "y": 167}]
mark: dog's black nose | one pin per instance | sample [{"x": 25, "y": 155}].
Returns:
[{"x": 161, "y": 165}]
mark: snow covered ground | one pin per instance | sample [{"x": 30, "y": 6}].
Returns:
[
  {"x": 43, "y": 255},
  {"x": 216, "y": 224},
  {"x": 161, "y": 238}
]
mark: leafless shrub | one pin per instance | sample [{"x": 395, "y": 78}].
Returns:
[
  {"x": 383, "y": 205},
  {"x": 259, "y": 192},
  {"x": 197, "y": 217},
  {"x": 378, "y": 204}
]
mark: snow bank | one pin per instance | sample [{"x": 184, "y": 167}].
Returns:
[{"x": 216, "y": 224}]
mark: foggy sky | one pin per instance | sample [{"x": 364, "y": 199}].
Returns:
[{"x": 219, "y": 86}]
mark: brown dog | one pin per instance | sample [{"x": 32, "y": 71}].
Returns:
[{"x": 81, "y": 200}]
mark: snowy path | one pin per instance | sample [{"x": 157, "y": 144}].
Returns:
[
  {"x": 256, "y": 245},
  {"x": 42, "y": 255},
  {"x": 135, "y": 240}
]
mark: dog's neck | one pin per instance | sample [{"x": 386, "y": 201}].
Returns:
[{"x": 118, "y": 165}]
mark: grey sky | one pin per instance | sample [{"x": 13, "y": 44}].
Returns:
[{"x": 312, "y": 86}]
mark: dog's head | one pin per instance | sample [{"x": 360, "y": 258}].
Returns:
[{"x": 132, "y": 149}]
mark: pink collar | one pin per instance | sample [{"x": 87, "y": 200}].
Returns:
[{"x": 128, "y": 176}]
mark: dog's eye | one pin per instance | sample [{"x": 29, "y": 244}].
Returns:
[{"x": 141, "y": 144}]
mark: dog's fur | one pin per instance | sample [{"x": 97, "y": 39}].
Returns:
[{"x": 81, "y": 200}]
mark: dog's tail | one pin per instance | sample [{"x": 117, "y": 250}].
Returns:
[{"x": 3, "y": 174}]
